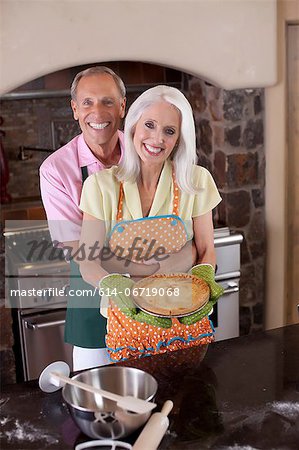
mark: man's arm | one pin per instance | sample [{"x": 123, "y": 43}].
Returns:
[{"x": 64, "y": 216}]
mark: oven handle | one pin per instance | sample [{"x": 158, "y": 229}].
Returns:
[
  {"x": 232, "y": 286},
  {"x": 38, "y": 326},
  {"x": 227, "y": 276}
]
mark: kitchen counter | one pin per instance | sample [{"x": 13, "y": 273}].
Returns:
[{"x": 240, "y": 393}]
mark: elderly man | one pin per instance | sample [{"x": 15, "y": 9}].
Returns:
[{"x": 98, "y": 103}]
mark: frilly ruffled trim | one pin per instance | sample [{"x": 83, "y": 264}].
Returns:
[{"x": 161, "y": 344}]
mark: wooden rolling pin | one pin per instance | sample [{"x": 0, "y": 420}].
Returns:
[{"x": 153, "y": 432}]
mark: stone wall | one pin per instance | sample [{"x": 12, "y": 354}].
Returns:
[
  {"x": 40, "y": 123},
  {"x": 230, "y": 137}
]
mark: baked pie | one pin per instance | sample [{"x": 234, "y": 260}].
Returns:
[{"x": 171, "y": 295}]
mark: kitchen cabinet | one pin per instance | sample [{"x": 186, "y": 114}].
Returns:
[
  {"x": 23, "y": 211},
  {"x": 241, "y": 392}
]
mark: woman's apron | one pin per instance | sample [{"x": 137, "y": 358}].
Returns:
[
  {"x": 84, "y": 326},
  {"x": 130, "y": 338}
]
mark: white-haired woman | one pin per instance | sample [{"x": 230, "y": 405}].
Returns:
[{"x": 157, "y": 178}]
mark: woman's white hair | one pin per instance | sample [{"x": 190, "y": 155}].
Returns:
[{"x": 184, "y": 154}]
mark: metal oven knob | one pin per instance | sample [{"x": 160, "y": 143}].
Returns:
[
  {"x": 65, "y": 289},
  {"x": 232, "y": 286}
]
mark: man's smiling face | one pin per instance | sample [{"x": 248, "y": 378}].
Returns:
[{"x": 99, "y": 108}]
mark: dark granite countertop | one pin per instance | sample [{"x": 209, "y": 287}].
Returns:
[{"x": 242, "y": 394}]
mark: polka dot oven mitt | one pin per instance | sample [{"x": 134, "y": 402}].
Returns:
[{"x": 205, "y": 272}]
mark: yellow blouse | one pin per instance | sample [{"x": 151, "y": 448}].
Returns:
[{"x": 101, "y": 191}]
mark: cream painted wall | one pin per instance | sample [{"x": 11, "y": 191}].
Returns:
[
  {"x": 231, "y": 43},
  {"x": 276, "y": 166}
]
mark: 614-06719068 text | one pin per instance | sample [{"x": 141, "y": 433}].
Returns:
[{"x": 141, "y": 291}]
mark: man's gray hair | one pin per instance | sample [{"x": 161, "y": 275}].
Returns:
[
  {"x": 96, "y": 70},
  {"x": 183, "y": 155}
]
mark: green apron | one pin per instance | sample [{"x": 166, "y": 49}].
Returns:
[{"x": 84, "y": 327}]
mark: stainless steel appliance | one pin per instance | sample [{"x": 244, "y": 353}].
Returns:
[
  {"x": 39, "y": 319},
  {"x": 36, "y": 286},
  {"x": 226, "y": 311},
  {"x": 42, "y": 341}
]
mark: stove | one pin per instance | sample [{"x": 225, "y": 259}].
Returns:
[
  {"x": 37, "y": 274},
  {"x": 37, "y": 280}
]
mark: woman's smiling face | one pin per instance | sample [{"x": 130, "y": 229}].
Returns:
[{"x": 156, "y": 132}]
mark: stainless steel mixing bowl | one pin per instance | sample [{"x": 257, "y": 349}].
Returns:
[{"x": 98, "y": 417}]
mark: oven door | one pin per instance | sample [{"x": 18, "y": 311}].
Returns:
[{"x": 42, "y": 336}]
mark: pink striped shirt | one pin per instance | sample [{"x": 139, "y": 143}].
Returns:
[{"x": 61, "y": 186}]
